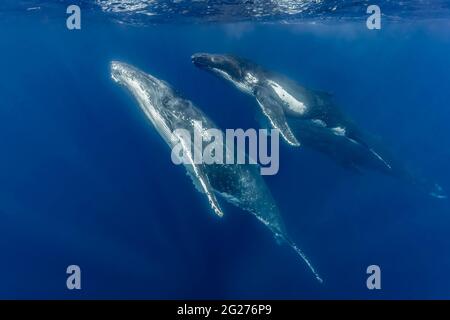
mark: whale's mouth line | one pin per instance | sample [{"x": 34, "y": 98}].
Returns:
[
  {"x": 198, "y": 64},
  {"x": 200, "y": 60}
]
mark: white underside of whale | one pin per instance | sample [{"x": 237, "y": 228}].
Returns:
[
  {"x": 290, "y": 101},
  {"x": 239, "y": 85}
]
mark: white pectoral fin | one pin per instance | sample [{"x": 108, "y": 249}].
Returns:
[
  {"x": 199, "y": 177},
  {"x": 275, "y": 113},
  {"x": 202, "y": 184},
  {"x": 211, "y": 196},
  {"x": 380, "y": 158}
]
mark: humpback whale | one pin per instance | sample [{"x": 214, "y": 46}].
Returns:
[
  {"x": 310, "y": 117},
  {"x": 239, "y": 184}
]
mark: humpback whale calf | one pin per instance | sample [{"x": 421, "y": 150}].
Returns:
[
  {"x": 239, "y": 184},
  {"x": 309, "y": 117}
]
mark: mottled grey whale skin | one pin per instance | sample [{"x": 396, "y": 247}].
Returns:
[
  {"x": 239, "y": 184},
  {"x": 310, "y": 117}
]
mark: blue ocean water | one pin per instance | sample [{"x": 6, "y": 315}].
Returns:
[{"x": 85, "y": 180}]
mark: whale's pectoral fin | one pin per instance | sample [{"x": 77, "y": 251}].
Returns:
[
  {"x": 198, "y": 173},
  {"x": 201, "y": 183},
  {"x": 274, "y": 111}
]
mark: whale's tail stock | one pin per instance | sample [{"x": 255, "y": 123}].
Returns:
[
  {"x": 299, "y": 252},
  {"x": 419, "y": 180},
  {"x": 284, "y": 239},
  {"x": 391, "y": 165}
]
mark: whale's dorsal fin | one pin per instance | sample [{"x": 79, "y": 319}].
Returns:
[{"x": 274, "y": 111}]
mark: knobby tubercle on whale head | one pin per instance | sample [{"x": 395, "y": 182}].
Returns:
[{"x": 212, "y": 146}]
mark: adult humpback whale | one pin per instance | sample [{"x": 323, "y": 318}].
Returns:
[
  {"x": 239, "y": 184},
  {"x": 309, "y": 117}
]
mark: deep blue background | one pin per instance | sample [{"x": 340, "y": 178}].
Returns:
[{"x": 84, "y": 178}]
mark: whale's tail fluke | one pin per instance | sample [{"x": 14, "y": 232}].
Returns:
[{"x": 438, "y": 192}]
